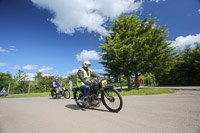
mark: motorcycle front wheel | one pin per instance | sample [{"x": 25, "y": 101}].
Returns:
[
  {"x": 112, "y": 100},
  {"x": 66, "y": 94},
  {"x": 79, "y": 98}
]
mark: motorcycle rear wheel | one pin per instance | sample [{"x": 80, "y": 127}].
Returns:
[
  {"x": 112, "y": 100},
  {"x": 53, "y": 94}
]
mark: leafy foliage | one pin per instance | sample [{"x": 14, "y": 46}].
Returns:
[
  {"x": 186, "y": 70},
  {"x": 21, "y": 84},
  {"x": 72, "y": 77},
  {"x": 42, "y": 84},
  {"x": 148, "y": 79},
  {"x": 5, "y": 79},
  {"x": 135, "y": 46}
]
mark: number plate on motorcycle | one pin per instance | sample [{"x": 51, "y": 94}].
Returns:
[{"x": 104, "y": 83}]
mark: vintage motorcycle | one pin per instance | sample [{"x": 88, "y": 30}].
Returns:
[
  {"x": 110, "y": 97},
  {"x": 63, "y": 92}
]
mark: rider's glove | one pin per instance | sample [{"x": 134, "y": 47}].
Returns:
[{"x": 88, "y": 83}]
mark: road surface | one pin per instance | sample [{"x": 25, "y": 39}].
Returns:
[
  {"x": 190, "y": 88},
  {"x": 165, "y": 113}
]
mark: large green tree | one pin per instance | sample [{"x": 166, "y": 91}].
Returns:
[
  {"x": 21, "y": 82},
  {"x": 135, "y": 46},
  {"x": 5, "y": 79},
  {"x": 38, "y": 76}
]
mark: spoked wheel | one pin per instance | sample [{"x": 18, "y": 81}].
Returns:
[
  {"x": 53, "y": 94},
  {"x": 66, "y": 94},
  {"x": 112, "y": 100},
  {"x": 79, "y": 98}
]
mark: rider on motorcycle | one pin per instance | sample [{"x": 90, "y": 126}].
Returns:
[
  {"x": 57, "y": 85},
  {"x": 84, "y": 81}
]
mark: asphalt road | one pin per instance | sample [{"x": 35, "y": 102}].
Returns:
[
  {"x": 190, "y": 88},
  {"x": 165, "y": 113}
]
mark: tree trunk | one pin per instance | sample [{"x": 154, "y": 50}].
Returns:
[
  {"x": 8, "y": 88},
  {"x": 129, "y": 82},
  {"x": 29, "y": 87},
  {"x": 136, "y": 81}
]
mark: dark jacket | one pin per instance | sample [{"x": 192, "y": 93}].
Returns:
[{"x": 80, "y": 74}]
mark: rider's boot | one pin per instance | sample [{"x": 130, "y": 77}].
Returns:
[{"x": 85, "y": 103}]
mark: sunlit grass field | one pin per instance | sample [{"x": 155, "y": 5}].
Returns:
[{"x": 144, "y": 91}]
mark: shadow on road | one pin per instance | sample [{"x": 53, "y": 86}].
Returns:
[
  {"x": 1, "y": 130},
  {"x": 75, "y": 107},
  {"x": 55, "y": 98}
]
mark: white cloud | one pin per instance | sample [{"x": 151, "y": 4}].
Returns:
[
  {"x": 77, "y": 15},
  {"x": 157, "y": 1},
  {"x": 88, "y": 55},
  {"x": 199, "y": 11},
  {"x": 45, "y": 68},
  {"x": 93, "y": 70},
  {"x": 3, "y": 50},
  {"x": 34, "y": 67},
  {"x": 30, "y": 67},
  {"x": 16, "y": 67},
  {"x": 3, "y": 64},
  {"x": 98, "y": 70},
  {"x": 12, "y": 48},
  {"x": 182, "y": 42},
  {"x": 30, "y": 76},
  {"x": 73, "y": 72},
  {"x": 48, "y": 75}
]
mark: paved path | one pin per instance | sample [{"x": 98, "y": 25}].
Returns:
[
  {"x": 192, "y": 88},
  {"x": 165, "y": 113}
]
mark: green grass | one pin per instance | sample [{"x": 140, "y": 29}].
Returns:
[
  {"x": 144, "y": 91},
  {"x": 45, "y": 94},
  {"x": 125, "y": 92}
]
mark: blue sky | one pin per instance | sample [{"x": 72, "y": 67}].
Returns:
[{"x": 55, "y": 37}]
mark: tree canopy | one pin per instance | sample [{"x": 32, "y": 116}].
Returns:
[
  {"x": 5, "y": 79},
  {"x": 186, "y": 70},
  {"x": 135, "y": 46}
]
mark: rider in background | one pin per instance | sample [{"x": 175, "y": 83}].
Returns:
[
  {"x": 84, "y": 81},
  {"x": 56, "y": 85}
]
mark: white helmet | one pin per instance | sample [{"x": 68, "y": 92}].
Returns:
[{"x": 86, "y": 64}]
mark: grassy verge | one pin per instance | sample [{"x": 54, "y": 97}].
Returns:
[
  {"x": 125, "y": 92},
  {"x": 144, "y": 91},
  {"x": 45, "y": 94}
]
